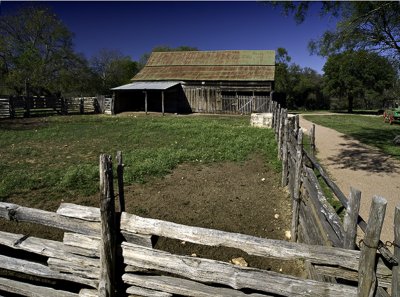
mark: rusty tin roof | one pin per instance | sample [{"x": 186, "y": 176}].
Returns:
[{"x": 235, "y": 65}]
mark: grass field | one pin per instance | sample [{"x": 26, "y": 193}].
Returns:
[
  {"x": 58, "y": 156},
  {"x": 370, "y": 130}
]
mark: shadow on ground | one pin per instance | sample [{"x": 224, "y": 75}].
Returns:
[{"x": 355, "y": 156}]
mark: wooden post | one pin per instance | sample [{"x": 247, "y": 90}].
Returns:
[
  {"x": 366, "y": 272},
  {"x": 162, "y": 102},
  {"x": 351, "y": 219},
  {"x": 120, "y": 175},
  {"x": 312, "y": 140},
  {"x": 285, "y": 153},
  {"x": 296, "y": 123},
  {"x": 396, "y": 268},
  {"x": 145, "y": 102},
  {"x": 108, "y": 233},
  {"x": 297, "y": 184},
  {"x": 282, "y": 117},
  {"x": 81, "y": 106}
]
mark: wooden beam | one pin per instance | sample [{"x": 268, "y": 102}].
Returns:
[
  {"x": 350, "y": 219},
  {"x": 162, "y": 102},
  {"x": 108, "y": 232},
  {"x": 145, "y": 102},
  {"x": 212, "y": 271},
  {"x": 297, "y": 184},
  {"x": 366, "y": 273},
  {"x": 396, "y": 268}
]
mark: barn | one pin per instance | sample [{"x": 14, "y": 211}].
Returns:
[{"x": 231, "y": 81}]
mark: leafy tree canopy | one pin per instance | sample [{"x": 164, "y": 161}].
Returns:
[
  {"x": 34, "y": 49},
  {"x": 353, "y": 74},
  {"x": 112, "y": 69}
]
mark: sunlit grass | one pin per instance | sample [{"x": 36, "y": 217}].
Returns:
[{"x": 59, "y": 155}]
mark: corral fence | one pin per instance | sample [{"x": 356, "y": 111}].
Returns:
[
  {"x": 23, "y": 106},
  {"x": 108, "y": 252},
  {"x": 315, "y": 221}
]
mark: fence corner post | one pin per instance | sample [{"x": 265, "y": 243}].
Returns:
[
  {"x": 120, "y": 176},
  {"x": 350, "y": 219},
  {"x": 396, "y": 268},
  {"x": 367, "y": 282},
  {"x": 108, "y": 233},
  {"x": 297, "y": 185}
]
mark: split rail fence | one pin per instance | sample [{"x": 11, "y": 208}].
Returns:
[{"x": 108, "y": 252}]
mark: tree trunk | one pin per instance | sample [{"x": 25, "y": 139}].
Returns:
[{"x": 350, "y": 107}]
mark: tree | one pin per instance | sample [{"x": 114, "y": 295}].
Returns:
[
  {"x": 354, "y": 74},
  {"x": 299, "y": 87},
  {"x": 35, "y": 47},
  {"x": 368, "y": 25},
  {"x": 164, "y": 48},
  {"x": 112, "y": 69}
]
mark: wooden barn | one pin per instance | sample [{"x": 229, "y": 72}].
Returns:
[{"x": 233, "y": 81}]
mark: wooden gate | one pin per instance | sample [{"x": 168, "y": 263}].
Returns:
[{"x": 245, "y": 104}]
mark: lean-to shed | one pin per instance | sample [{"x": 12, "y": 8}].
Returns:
[{"x": 232, "y": 81}]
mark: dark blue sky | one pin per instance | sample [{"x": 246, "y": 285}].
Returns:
[{"x": 135, "y": 28}]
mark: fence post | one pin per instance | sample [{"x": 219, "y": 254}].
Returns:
[
  {"x": 351, "y": 219},
  {"x": 120, "y": 175},
  {"x": 366, "y": 272},
  {"x": 108, "y": 233},
  {"x": 81, "y": 106},
  {"x": 280, "y": 132},
  {"x": 297, "y": 183},
  {"x": 285, "y": 152},
  {"x": 312, "y": 140},
  {"x": 396, "y": 268}
]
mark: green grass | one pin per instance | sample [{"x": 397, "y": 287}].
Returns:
[
  {"x": 370, "y": 130},
  {"x": 58, "y": 156}
]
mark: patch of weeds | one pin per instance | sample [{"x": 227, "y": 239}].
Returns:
[{"x": 81, "y": 178}]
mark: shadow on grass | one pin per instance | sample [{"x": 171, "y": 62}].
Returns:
[
  {"x": 18, "y": 124},
  {"x": 355, "y": 156}
]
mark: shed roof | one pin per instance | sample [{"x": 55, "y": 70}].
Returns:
[
  {"x": 258, "y": 65},
  {"x": 148, "y": 85}
]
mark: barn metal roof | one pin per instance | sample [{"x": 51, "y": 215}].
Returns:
[
  {"x": 148, "y": 85},
  {"x": 209, "y": 65}
]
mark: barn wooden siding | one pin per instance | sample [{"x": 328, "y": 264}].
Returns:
[{"x": 217, "y": 100}]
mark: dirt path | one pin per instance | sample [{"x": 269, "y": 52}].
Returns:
[{"x": 351, "y": 163}]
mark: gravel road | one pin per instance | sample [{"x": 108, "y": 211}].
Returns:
[{"x": 351, "y": 163}]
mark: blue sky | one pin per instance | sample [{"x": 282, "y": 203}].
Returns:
[{"x": 136, "y": 27}]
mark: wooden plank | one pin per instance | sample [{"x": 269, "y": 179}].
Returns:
[
  {"x": 108, "y": 233},
  {"x": 205, "y": 270},
  {"x": 396, "y": 268},
  {"x": 120, "y": 177},
  {"x": 18, "y": 213},
  {"x": 88, "y": 246},
  {"x": 350, "y": 219},
  {"x": 30, "y": 290},
  {"x": 367, "y": 275},
  {"x": 44, "y": 247},
  {"x": 88, "y": 293},
  {"x": 297, "y": 184},
  {"x": 144, "y": 292},
  {"x": 86, "y": 213},
  {"x": 332, "y": 223},
  {"x": 39, "y": 270},
  {"x": 252, "y": 245},
  {"x": 181, "y": 286},
  {"x": 384, "y": 280},
  {"x": 89, "y": 273}
]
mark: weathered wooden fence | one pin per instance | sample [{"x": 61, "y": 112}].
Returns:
[
  {"x": 108, "y": 252},
  {"x": 22, "y": 106},
  {"x": 315, "y": 221},
  {"x": 245, "y": 104}
]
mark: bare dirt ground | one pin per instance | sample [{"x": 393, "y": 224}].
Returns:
[
  {"x": 236, "y": 197},
  {"x": 353, "y": 164}
]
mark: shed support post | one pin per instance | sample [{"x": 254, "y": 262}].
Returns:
[
  {"x": 162, "y": 102},
  {"x": 145, "y": 102}
]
